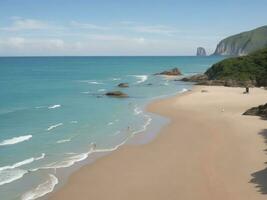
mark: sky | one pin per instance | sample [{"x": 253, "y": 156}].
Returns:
[{"x": 122, "y": 27}]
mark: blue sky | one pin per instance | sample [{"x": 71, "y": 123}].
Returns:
[{"x": 116, "y": 27}]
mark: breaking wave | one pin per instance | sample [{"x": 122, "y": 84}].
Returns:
[
  {"x": 54, "y": 106},
  {"x": 12, "y": 173},
  {"x": 42, "y": 189},
  {"x": 141, "y": 78},
  {"x": 15, "y": 140},
  {"x": 54, "y": 126}
]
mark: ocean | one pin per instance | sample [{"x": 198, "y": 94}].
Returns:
[{"x": 54, "y": 114}]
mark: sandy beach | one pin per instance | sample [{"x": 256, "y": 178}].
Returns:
[{"x": 208, "y": 151}]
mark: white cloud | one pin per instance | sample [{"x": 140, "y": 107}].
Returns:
[
  {"x": 76, "y": 38},
  {"x": 15, "y": 42},
  {"x": 19, "y": 24},
  {"x": 155, "y": 29},
  {"x": 87, "y": 26},
  {"x": 26, "y": 46}
]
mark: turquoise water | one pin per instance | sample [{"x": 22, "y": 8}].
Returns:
[{"x": 53, "y": 113}]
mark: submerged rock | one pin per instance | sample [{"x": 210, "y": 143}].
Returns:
[
  {"x": 172, "y": 72},
  {"x": 123, "y": 85},
  {"x": 116, "y": 94}
]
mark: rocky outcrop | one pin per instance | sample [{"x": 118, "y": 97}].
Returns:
[
  {"x": 172, "y": 72},
  {"x": 203, "y": 79},
  {"x": 123, "y": 85},
  {"x": 116, "y": 94},
  {"x": 195, "y": 78},
  {"x": 258, "y": 111},
  {"x": 243, "y": 43},
  {"x": 201, "y": 51}
]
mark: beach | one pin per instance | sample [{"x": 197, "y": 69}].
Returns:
[{"x": 209, "y": 150}]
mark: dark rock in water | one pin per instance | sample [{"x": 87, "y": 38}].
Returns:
[
  {"x": 172, "y": 72},
  {"x": 149, "y": 84},
  {"x": 258, "y": 111},
  {"x": 201, "y": 51},
  {"x": 123, "y": 85},
  {"x": 117, "y": 94}
]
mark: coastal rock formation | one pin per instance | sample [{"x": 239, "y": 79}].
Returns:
[
  {"x": 116, "y": 94},
  {"x": 250, "y": 70},
  {"x": 243, "y": 43},
  {"x": 195, "y": 78},
  {"x": 172, "y": 72},
  {"x": 123, "y": 85},
  {"x": 203, "y": 79},
  {"x": 201, "y": 51},
  {"x": 246, "y": 71},
  {"x": 258, "y": 111}
]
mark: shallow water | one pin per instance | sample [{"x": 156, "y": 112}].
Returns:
[{"x": 53, "y": 113}]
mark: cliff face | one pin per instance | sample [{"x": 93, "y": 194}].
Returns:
[
  {"x": 243, "y": 43},
  {"x": 201, "y": 51}
]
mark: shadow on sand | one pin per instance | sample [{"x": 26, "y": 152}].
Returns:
[{"x": 260, "y": 177}]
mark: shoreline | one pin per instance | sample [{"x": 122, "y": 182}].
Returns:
[{"x": 185, "y": 169}]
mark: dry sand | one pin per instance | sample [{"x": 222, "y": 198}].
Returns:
[{"x": 207, "y": 152}]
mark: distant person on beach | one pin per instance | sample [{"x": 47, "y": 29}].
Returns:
[{"x": 247, "y": 90}]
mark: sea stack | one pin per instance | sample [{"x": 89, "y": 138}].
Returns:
[{"x": 201, "y": 51}]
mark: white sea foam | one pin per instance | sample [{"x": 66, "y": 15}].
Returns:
[
  {"x": 183, "y": 90},
  {"x": 116, "y": 79},
  {"x": 101, "y": 90},
  {"x": 42, "y": 189},
  {"x": 54, "y": 126},
  {"x": 166, "y": 83},
  {"x": 67, "y": 162},
  {"x": 15, "y": 140},
  {"x": 38, "y": 107},
  {"x": 74, "y": 122},
  {"x": 54, "y": 106},
  {"x": 86, "y": 92},
  {"x": 137, "y": 111},
  {"x": 63, "y": 141},
  {"x": 10, "y": 175},
  {"x": 21, "y": 163},
  {"x": 40, "y": 157},
  {"x": 142, "y": 78},
  {"x": 149, "y": 119},
  {"x": 110, "y": 123},
  {"x": 92, "y": 82}
]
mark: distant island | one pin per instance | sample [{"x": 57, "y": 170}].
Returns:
[
  {"x": 201, "y": 51},
  {"x": 243, "y": 43}
]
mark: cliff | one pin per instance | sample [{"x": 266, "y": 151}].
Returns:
[{"x": 243, "y": 43}]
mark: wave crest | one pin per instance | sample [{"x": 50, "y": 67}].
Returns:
[
  {"x": 15, "y": 140},
  {"x": 54, "y": 126},
  {"x": 54, "y": 106}
]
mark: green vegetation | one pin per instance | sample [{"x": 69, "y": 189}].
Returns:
[
  {"x": 243, "y": 43},
  {"x": 251, "y": 69}
]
